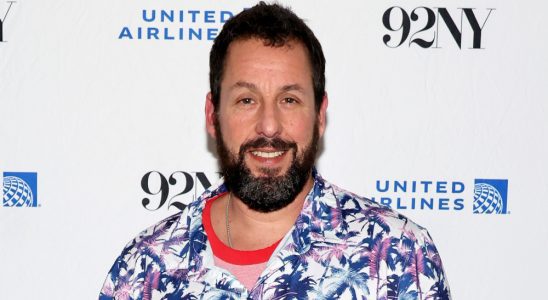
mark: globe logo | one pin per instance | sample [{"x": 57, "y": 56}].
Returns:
[
  {"x": 487, "y": 199},
  {"x": 17, "y": 192}
]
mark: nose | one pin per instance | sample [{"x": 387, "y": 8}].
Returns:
[{"x": 269, "y": 121}]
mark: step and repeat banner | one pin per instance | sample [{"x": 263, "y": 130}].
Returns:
[{"x": 438, "y": 109}]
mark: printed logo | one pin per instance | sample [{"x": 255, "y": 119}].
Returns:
[
  {"x": 490, "y": 196},
  {"x": 435, "y": 27},
  {"x": 170, "y": 24},
  {"x": 3, "y": 20},
  {"x": 20, "y": 189},
  {"x": 177, "y": 190},
  {"x": 420, "y": 194}
]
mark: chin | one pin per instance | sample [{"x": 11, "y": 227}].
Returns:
[{"x": 266, "y": 173}]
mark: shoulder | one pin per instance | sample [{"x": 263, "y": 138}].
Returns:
[
  {"x": 143, "y": 255},
  {"x": 364, "y": 217},
  {"x": 169, "y": 249},
  {"x": 169, "y": 236},
  {"x": 157, "y": 235},
  {"x": 379, "y": 240},
  {"x": 157, "y": 250}
]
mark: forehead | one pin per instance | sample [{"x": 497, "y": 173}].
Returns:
[{"x": 252, "y": 60}]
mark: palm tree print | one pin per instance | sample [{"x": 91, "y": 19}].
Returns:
[{"x": 342, "y": 246}]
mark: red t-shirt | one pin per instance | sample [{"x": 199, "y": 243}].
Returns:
[{"x": 246, "y": 266}]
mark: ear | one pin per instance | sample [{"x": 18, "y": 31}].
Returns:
[
  {"x": 210, "y": 116},
  {"x": 322, "y": 115}
]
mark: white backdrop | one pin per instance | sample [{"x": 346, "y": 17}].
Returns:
[{"x": 91, "y": 111}]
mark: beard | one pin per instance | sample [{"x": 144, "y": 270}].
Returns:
[{"x": 271, "y": 192}]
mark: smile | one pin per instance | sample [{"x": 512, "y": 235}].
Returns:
[{"x": 264, "y": 154}]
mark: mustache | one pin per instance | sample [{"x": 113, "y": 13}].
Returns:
[{"x": 276, "y": 143}]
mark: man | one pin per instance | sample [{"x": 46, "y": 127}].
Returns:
[{"x": 274, "y": 229}]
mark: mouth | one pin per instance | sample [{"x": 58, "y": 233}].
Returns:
[
  {"x": 268, "y": 157},
  {"x": 270, "y": 154},
  {"x": 267, "y": 154}
]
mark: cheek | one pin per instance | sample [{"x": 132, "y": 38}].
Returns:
[
  {"x": 234, "y": 133},
  {"x": 301, "y": 130}
]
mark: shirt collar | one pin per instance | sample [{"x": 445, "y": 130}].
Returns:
[{"x": 319, "y": 220}]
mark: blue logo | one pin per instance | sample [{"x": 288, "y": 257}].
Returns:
[
  {"x": 421, "y": 194},
  {"x": 490, "y": 196},
  {"x": 176, "y": 24},
  {"x": 20, "y": 189}
]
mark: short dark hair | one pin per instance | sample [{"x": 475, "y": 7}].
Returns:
[{"x": 275, "y": 25}]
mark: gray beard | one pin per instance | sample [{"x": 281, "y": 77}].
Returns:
[{"x": 266, "y": 193}]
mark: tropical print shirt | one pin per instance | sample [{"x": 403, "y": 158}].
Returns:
[{"x": 342, "y": 246}]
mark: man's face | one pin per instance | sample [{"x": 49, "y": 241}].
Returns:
[{"x": 266, "y": 125}]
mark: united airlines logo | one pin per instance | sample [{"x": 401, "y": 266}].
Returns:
[
  {"x": 180, "y": 25},
  {"x": 490, "y": 196},
  {"x": 20, "y": 189},
  {"x": 420, "y": 194}
]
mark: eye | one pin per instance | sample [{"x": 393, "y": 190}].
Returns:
[
  {"x": 246, "y": 101},
  {"x": 289, "y": 100}
]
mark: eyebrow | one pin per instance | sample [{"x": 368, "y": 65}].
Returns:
[
  {"x": 292, "y": 87},
  {"x": 244, "y": 84},
  {"x": 253, "y": 87}
]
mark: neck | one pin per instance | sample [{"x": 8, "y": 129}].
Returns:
[{"x": 248, "y": 227}]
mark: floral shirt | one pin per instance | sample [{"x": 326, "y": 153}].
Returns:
[{"x": 341, "y": 246}]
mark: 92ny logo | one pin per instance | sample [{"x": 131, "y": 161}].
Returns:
[
  {"x": 3, "y": 20},
  {"x": 176, "y": 190},
  {"x": 422, "y": 26}
]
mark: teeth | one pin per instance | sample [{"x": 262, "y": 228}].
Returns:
[{"x": 267, "y": 154}]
